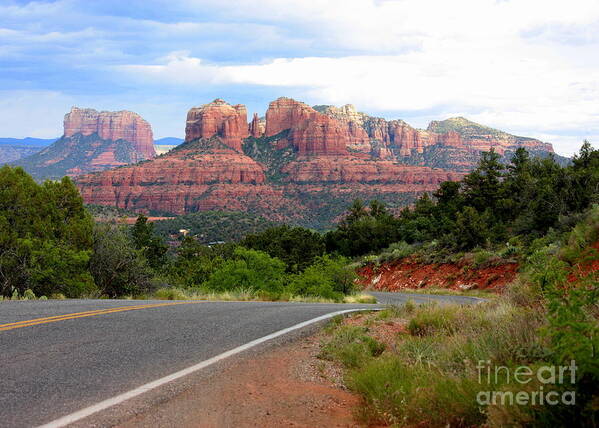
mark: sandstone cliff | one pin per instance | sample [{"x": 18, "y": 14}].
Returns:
[
  {"x": 310, "y": 133},
  {"x": 218, "y": 118},
  {"x": 93, "y": 141},
  {"x": 303, "y": 164},
  {"x": 483, "y": 138},
  {"x": 114, "y": 126}
]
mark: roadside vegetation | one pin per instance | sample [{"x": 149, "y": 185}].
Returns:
[
  {"x": 433, "y": 371},
  {"x": 533, "y": 211},
  {"x": 50, "y": 245}
]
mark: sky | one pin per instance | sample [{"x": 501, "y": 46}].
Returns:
[{"x": 528, "y": 67}]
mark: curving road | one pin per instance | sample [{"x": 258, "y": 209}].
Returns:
[{"x": 57, "y": 357}]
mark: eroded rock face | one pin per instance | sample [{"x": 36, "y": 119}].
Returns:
[
  {"x": 310, "y": 133},
  {"x": 301, "y": 162},
  {"x": 257, "y": 126},
  {"x": 220, "y": 119},
  {"x": 93, "y": 141},
  {"x": 331, "y": 169},
  {"x": 483, "y": 138},
  {"x": 114, "y": 126},
  {"x": 184, "y": 180}
]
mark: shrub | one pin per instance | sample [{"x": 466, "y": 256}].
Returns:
[
  {"x": 433, "y": 319},
  {"x": 351, "y": 346},
  {"x": 117, "y": 267},
  {"x": 248, "y": 269},
  {"x": 328, "y": 277},
  {"x": 45, "y": 236},
  {"x": 296, "y": 246}
]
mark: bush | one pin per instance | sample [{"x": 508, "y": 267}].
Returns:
[
  {"x": 328, "y": 277},
  {"x": 117, "y": 267},
  {"x": 296, "y": 246},
  {"x": 248, "y": 269},
  {"x": 45, "y": 236}
]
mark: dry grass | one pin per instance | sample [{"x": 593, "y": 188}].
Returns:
[{"x": 245, "y": 295}]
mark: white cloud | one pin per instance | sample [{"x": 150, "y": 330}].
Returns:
[
  {"x": 526, "y": 66},
  {"x": 33, "y": 113},
  {"x": 531, "y": 93}
]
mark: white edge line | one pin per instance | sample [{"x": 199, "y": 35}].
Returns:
[{"x": 102, "y": 405}]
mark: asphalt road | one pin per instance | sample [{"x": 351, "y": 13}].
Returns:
[{"x": 59, "y": 364}]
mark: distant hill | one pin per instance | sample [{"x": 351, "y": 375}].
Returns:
[
  {"x": 13, "y": 149},
  {"x": 168, "y": 141},
  {"x": 28, "y": 141}
]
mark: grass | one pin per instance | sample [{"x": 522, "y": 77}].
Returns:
[
  {"x": 428, "y": 377},
  {"x": 484, "y": 294},
  {"x": 241, "y": 294},
  {"x": 28, "y": 295},
  {"x": 351, "y": 346}
]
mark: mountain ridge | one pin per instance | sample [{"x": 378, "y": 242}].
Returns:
[{"x": 299, "y": 164}]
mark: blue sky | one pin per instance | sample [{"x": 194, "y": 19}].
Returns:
[{"x": 530, "y": 67}]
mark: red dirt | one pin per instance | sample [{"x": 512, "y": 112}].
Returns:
[
  {"x": 288, "y": 386},
  {"x": 589, "y": 265},
  {"x": 407, "y": 273}
]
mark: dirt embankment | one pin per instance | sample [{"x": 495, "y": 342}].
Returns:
[{"x": 409, "y": 274}]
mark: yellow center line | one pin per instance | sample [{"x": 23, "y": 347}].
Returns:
[
  {"x": 66, "y": 315},
  {"x": 47, "y": 320}
]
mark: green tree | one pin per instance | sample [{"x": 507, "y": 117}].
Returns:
[
  {"x": 471, "y": 230},
  {"x": 296, "y": 246},
  {"x": 45, "y": 236},
  {"x": 329, "y": 277},
  {"x": 118, "y": 268},
  {"x": 194, "y": 263},
  {"x": 482, "y": 188},
  {"x": 363, "y": 230},
  {"x": 145, "y": 239},
  {"x": 248, "y": 269}
]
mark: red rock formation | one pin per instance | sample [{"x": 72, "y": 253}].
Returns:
[
  {"x": 178, "y": 182},
  {"x": 114, "y": 126},
  {"x": 286, "y": 113},
  {"x": 332, "y": 169},
  {"x": 218, "y": 118},
  {"x": 337, "y": 153},
  {"x": 358, "y": 138},
  {"x": 257, "y": 127},
  {"x": 310, "y": 132}
]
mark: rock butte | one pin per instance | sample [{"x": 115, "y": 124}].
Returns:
[
  {"x": 218, "y": 118},
  {"x": 298, "y": 161},
  {"x": 93, "y": 141},
  {"x": 114, "y": 126}
]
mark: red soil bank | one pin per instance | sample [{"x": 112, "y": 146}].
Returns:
[{"x": 406, "y": 274}]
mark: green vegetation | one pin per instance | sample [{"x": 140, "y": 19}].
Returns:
[
  {"x": 434, "y": 373},
  {"x": 214, "y": 226},
  {"x": 496, "y": 206},
  {"x": 105, "y": 213},
  {"x": 228, "y": 267},
  {"x": 265, "y": 151},
  {"x": 296, "y": 246},
  {"x": 45, "y": 236},
  {"x": 43, "y": 165},
  {"x": 117, "y": 266}
]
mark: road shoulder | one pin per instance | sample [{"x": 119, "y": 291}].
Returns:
[{"x": 285, "y": 385}]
